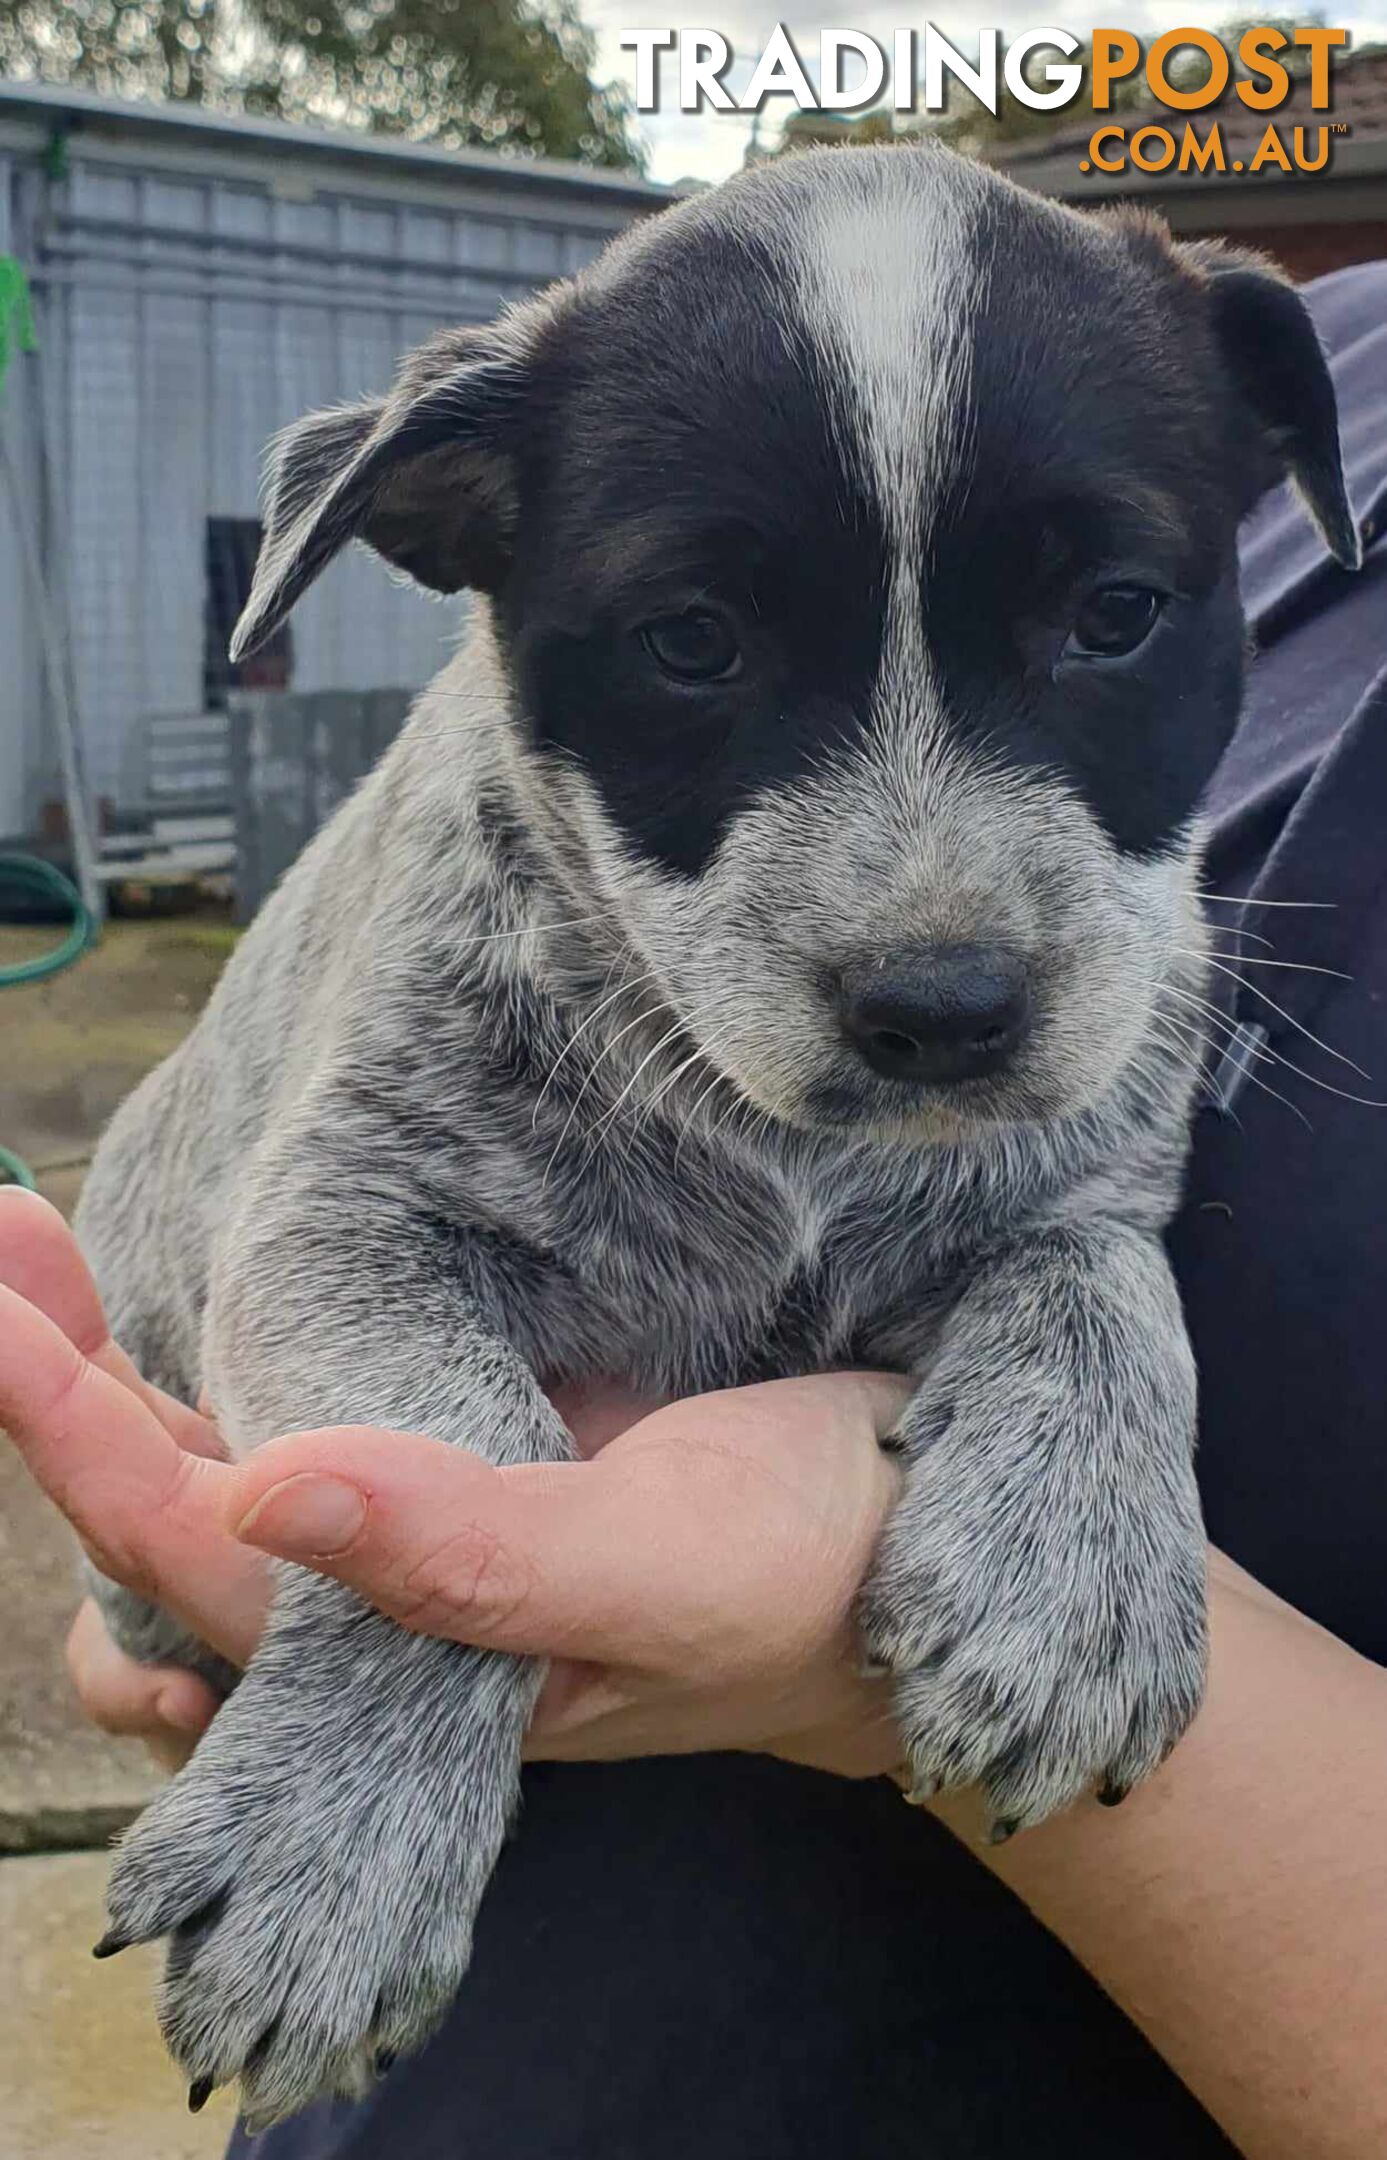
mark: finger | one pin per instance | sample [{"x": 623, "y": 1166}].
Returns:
[
  {"x": 428, "y": 1533},
  {"x": 122, "y": 1696},
  {"x": 42, "y": 1262},
  {"x": 607, "y": 1561},
  {"x": 150, "y": 1514}
]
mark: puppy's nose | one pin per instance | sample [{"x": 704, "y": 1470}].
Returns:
[{"x": 942, "y": 1013}]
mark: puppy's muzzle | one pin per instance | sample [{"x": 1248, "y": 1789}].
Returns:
[{"x": 939, "y": 1014}]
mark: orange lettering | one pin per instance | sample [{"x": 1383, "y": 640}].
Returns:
[
  {"x": 1115, "y": 54},
  {"x": 1254, "y": 46},
  {"x": 1173, "y": 41}
]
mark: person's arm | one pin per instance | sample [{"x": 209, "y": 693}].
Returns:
[
  {"x": 695, "y": 1584},
  {"x": 1236, "y": 1905}
]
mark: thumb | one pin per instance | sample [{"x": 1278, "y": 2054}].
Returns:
[
  {"x": 706, "y": 1518},
  {"x": 532, "y": 1559}
]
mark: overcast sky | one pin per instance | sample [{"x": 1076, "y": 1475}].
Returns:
[{"x": 711, "y": 145}]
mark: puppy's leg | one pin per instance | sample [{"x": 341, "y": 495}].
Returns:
[
  {"x": 319, "y": 1863},
  {"x": 1039, "y": 1592},
  {"x": 139, "y": 1225}
]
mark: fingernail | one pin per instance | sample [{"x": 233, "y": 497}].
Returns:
[
  {"x": 308, "y": 1517},
  {"x": 173, "y": 1709}
]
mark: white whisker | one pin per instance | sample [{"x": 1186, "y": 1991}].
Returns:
[
  {"x": 1267, "y": 1056},
  {"x": 1289, "y": 1018},
  {"x": 718, "y": 1075},
  {"x": 1300, "y": 967},
  {"x": 650, "y": 1012},
  {"x": 1248, "y": 900},
  {"x": 495, "y": 937},
  {"x": 627, "y": 984},
  {"x": 605, "y": 1123},
  {"x": 1235, "y": 930},
  {"x": 700, "y": 1050}
]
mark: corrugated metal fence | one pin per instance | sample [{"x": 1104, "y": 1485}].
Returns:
[{"x": 191, "y": 301}]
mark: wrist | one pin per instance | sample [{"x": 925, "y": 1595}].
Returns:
[{"x": 858, "y": 1739}]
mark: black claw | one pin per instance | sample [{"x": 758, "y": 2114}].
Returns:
[
  {"x": 1005, "y": 1827},
  {"x": 1111, "y": 1793},
  {"x": 199, "y": 2093},
  {"x": 386, "y": 2059},
  {"x": 109, "y": 1944}
]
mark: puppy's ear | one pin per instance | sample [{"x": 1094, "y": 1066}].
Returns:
[
  {"x": 423, "y": 476},
  {"x": 1278, "y": 369}
]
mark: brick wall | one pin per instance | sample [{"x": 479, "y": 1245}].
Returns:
[{"x": 1307, "y": 251}]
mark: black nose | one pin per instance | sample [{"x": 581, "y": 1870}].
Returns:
[{"x": 945, "y": 1012}]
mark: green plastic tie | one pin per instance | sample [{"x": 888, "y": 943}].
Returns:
[{"x": 17, "y": 332}]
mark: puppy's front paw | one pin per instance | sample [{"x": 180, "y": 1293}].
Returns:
[
  {"x": 318, "y": 1871},
  {"x": 1046, "y": 1638}
]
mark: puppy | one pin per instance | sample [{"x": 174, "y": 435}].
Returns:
[{"x": 772, "y": 944}]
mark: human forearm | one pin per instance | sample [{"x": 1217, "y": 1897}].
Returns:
[{"x": 1236, "y": 1906}]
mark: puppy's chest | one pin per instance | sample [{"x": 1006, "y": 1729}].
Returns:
[{"x": 733, "y": 1272}]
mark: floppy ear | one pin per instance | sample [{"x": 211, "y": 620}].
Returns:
[
  {"x": 1274, "y": 358},
  {"x": 422, "y": 475}
]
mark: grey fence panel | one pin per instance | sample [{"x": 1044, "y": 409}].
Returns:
[
  {"x": 200, "y": 282},
  {"x": 294, "y": 755}
]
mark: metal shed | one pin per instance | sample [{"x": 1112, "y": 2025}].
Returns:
[{"x": 199, "y": 281}]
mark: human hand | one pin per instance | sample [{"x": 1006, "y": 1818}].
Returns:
[
  {"x": 692, "y": 1583},
  {"x": 136, "y": 1474}
]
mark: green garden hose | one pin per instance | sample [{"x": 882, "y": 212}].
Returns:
[
  {"x": 41, "y": 881},
  {"x": 34, "y": 879}
]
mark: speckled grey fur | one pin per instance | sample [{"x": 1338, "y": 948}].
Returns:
[{"x": 487, "y": 1100}]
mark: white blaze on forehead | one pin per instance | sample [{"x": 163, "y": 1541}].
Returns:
[
  {"x": 888, "y": 273},
  {"x": 886, "y": 281},
  {"x": 878, "y": 261},
  {"x": 888, "y": 277}
]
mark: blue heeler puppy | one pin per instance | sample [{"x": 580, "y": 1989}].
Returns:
[{"x": 772, "y": 944}]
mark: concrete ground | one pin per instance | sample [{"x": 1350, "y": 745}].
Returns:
[
  {"x": 82, "y": 2070},
  {"x": 83, "y": 2073}
]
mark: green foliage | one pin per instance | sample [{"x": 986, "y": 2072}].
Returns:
[
  {"x": 806, "y": 130},
  {"x": 509, "y": 74}
]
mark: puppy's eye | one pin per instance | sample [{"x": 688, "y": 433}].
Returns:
[
  {"x": 1114, "y": 621},
  {"x": 695, "y": 646}
]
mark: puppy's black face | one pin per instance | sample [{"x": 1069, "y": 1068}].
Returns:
[
  {"x": 875, "y": 572},
  {"x": 715, "y": 516},
  {"x": 862, "y": 543}
]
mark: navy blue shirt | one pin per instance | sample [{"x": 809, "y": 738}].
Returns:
[{"x": 729, "y": 1959}]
